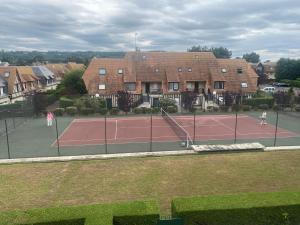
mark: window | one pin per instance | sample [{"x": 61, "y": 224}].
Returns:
[
  {"x": 189, "y": 69},
  {"x": 173, "y": 86},
  {"x": 156, "y": 70},
  {"x": 102, "y": 71},
  {"x": 219, "y": 84},
  {"x": 144, "y": 57},
  {"x": 239, "y": 70},
  {"x": 130, "y": 86},
  {"x": 6, "y": 74},
  {"x": 190, "y": 86},
  {"x": 120, "y": 71},
  {"x": 244, "y": 85},
  {"x": 179, "y": 69},
  {"x": 224, "y": 70},
  {"x": 101, "y": 86},
  {"x": 196, "y": 56}
]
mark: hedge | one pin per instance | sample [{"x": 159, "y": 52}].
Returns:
[
  {"x": 242, "y": 209},
  {"x": 137, "y": 212},
  {"x": 59, "y": 111},
  {"x": 255, "y": 102},
  {"x": 65, "y": 102},
  {"x": 71, "y": 111}
]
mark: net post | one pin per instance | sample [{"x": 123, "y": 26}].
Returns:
[
  {"x": 275, "y": 138},
  {"x": 7, "y": 141},
  {"x": 57, "y": 139},
  {"x": 151, "y": 132},
  {"x": 235, "y": 128},
  {"x": 105, "y": 138}
]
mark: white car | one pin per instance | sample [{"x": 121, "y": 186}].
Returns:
[{"x": 268, "y": 89}]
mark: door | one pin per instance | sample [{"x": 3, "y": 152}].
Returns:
[
  {"x": 109, "y": 103},
  {"x": 147, "y": 88},
  {"x": 196, "y": 90}
]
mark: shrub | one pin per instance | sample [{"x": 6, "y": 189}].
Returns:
[
  {"x": 155, "y": 110},
  {"x": 166, "y": 102},
  {"x": 246, "y": 209},
  {"x": 172, "y": 109},
  {"x": 224, "y": 108},
  {"x": 138, "y": 110},
  {"x": 297, "y": 108},
  {"x": 65, "y": 102},
  {"x": 263, "y": 106},
  {"x": 246, "y": 107},
  {"x": 71, "y": 110},
  {"x": 103, "y": 111},
  {"x": 114, "y": 111},
  {"x": 255, "y": 102},
  {"x": 86, "y": 111},
  {"x": 146, "y": 110},
  {"x": 59, "y": 111},
  {"x": 51, "y": 98},
  {"x": 236, "y": 107}
]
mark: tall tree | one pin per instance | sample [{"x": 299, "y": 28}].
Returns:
[
  {"x": 125, "y": 101},
  {"x": 188, "y": 98},
  {"x": 72, "y": 83},
  {"x": 251, "y": 57},
  {"x": 287, "y": 69},
  {"x": 219, "y": 52}
]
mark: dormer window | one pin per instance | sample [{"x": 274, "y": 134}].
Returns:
[
  {"x": 239, "y": 70},
  {"x": 179, "y": 69},
  {"x": 101, "y": 86},
  {"x": 189, "y": 69},
  {"x": 244, "y": 85},
  {"x": 102, "y": 71},
  {"x": 120, "y": 71},
  {"x": 156, "y": 70},
  {"x": 6, "y": 74},
  {"x": 224, "y": 70},
  {"x": 144, "y": 57}
]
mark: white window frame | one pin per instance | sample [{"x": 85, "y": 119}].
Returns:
[
  {"x": 102, "y": 71},
  {"x": 6, "y": 74},
  {"x": 244, "y": 85},
  {"x": 221, "y": 85},
  {"x": 224, "y": 70},
  {"x": 190, "y": 69},
  {"x": 127, "y": 85},
  {"x": 179, "y": 69},
  {"x": 120, "y": 71},
  {"x": 102, "y": 87},
  {"x": 156, "y": 70},
  {"x": 239, "y": 70},
  {"x": 171, "y": 86}
]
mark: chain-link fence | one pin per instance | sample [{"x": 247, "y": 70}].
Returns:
[{"x": 23, "y": 135}]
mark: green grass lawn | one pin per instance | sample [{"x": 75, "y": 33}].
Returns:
[{"x": 24, "y": 186}]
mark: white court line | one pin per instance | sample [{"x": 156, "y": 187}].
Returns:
[
  {"x": 116, "y": 131},
  {"x": 65, "y": 130}
]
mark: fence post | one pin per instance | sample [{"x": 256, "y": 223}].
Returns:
[
  {"x": 57, "y": 139},
  {"x": 236, "y": 120},
  {"x": 194, "y": 127},
  {"x": 7, "y": 141},
  {"x": 151, "y": 132},
  {"x": 105, "y": 139},
  {"x": 275, "y": 138}
]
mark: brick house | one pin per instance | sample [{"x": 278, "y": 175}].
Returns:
[{"x": 169, "y": 73}]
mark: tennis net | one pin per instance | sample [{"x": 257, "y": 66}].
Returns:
[{"x": 177, "y": 128}]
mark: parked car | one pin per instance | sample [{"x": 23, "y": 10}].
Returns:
[{"x": 269, "y": 89}]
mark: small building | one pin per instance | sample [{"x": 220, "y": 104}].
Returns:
[{"x": 45, "y": 76}]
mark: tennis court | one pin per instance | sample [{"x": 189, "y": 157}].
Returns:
[{"x": 81, "y": 132}]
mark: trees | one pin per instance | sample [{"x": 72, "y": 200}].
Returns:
[
  {"x": 287, "y": 69},
  {"x": 72, "y": 84},
  {"x": 219, "y": 52},
  {"x": 251, "y": 57},
  {"x": 125, "y": 101},
  {"x": 187, "y": 99}
]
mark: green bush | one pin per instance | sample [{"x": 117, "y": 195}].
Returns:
[
  {"x": 224, "y": 108},
  {"x": 246, "y": 209},
  {"x": 297, "y": 108},
  {"x": 255, "y": 102},
  {"x": 65, "y": 102},
  {"x": 155, "y": 110},
  {"x": 114, "y": 111},
  {"x": 86, "y": 111},
  {"x": 236, "y": 107},
  {"x": 246, "y": 107},
  {"x": 166, "y": 102},
  {"x": 51, "y": 98},
  {"x": 59, "y": 111},
  {"x": 71, "y": 110},
  {"x": 172, "y": 109},
  {"x": 138, "y": 110},
  {"x": 103, "y": 111},
  {"x": 263, "y": 106},
  {"x": 146, "y": 110}
]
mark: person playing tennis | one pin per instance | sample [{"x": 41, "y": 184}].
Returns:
[
  {"x": 263, "y": 118},
  {"x": 50, "y": 118}
]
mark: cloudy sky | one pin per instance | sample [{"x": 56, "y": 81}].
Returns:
[{"x": 269, "y": 27}]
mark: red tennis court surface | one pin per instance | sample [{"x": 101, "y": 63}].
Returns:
[{"x": 138, "y": 129}]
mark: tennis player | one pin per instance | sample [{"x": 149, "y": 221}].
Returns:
[
  {"x": 263, "y": 118},
  {"x": 50, "y": 118}
]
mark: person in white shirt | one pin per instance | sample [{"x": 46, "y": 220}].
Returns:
[{"x": 263, "y": 118}]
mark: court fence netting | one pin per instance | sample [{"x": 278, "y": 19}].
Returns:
[{"x": 23, "y": 134}]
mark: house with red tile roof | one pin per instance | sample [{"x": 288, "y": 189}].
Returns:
[{"x": 156, "y": 73}]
